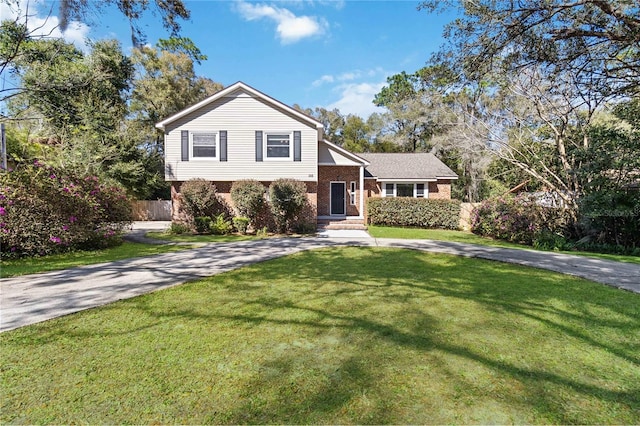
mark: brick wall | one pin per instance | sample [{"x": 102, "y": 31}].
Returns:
[
  {"x": 440, "y": 190},
  {"x": 223, "y": 190},
  {"x": 346, "y": 174}
]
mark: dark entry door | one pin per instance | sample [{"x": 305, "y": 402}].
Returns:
[{"x": 338, "y": 190}]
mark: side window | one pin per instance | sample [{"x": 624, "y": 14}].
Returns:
[
  {"x": 278, "y": 145},
  {"x": 352, "y": 193},
  {"x": 388, "y": 189},
  {"x": 204, "y": 145}
]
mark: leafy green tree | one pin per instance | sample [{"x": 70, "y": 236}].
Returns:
[
  {"x": 550, "y": 66},
  {"x": 610, "y": 203},
  {"x": 596, "y": 41},
  {"x": 356, "y": 134}
]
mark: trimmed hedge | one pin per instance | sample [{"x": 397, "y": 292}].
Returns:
[
  {"x": 248, "y": 197},
  {"x": 200, "y": 198},
  {"x": 414, "y": 212},
  {"x": 288, "y": 199}
]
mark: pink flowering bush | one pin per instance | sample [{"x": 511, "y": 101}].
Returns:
[
  {"x": 45, "y": 210},
  {"x": 518, "y": 219}
]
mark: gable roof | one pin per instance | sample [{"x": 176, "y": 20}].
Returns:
[
  {"x": 406, "y": 166},
  {"x": 332, "y": 154},
  {"x": 252, "y": 92}
]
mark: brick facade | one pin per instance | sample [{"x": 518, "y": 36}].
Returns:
[
  {"x": 223, "y": 190},
  {"x": 440, "y": 190},
  {"x": 319, "y": 193},
  {"x": 346, "y": 174}
]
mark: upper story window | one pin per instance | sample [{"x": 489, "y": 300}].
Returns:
[
  {"x": 204, "y": 145},
  {"x": 278, "y": 145}
]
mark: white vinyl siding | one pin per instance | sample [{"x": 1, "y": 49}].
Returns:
[
  {"x": 405, "y": 189},
  {"x": 241, "y": 116}
]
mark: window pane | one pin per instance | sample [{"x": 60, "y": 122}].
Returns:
[
  {"x": 352, "y": 194},
  {"x": 420, "y": 190},
  {"x": 388, "y": 190},
  {"x": 404, "y": 190},
  {"x": 204, "y": 144},
  {"x": 278, "y": 146}
]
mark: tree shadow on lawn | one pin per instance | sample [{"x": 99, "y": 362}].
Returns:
[
  {"x": 337, "y": 326},
  {"x": 582, "y": 311}
]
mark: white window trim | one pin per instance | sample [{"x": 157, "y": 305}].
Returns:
[
  {"x": 352, "y": 193},
  {"x": 199, "y": 132},
  {"x": 395, "y": 189},
  {"x": 265, "y": 155}
]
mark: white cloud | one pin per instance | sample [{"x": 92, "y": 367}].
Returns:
[
  {"x": 324, "y": 79},
  {"x": 348, "y": 76},
  {"x": 357, "y": 98},
  {"x": 327, "y": 78},
  {"x": 290, "y": 28},
  {"x": 44, "y": 24}
]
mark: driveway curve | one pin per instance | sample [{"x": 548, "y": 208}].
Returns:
[{"x": 34, "y": 298}]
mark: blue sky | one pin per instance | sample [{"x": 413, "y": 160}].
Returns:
[{"x": 332, "y": 54}]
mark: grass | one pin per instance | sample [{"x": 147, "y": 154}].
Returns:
[
  {"x": 468, "y": 237},
  {"x": 338, "y": 336},
  {"x": 32, "y": 265},
  {"x": 185, "y": 238}
]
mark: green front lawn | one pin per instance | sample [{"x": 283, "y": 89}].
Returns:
[
  {"x": 32, "y": 265},
  {"x": 338, "y": 336},
  {"x": 468, "y": 237}
]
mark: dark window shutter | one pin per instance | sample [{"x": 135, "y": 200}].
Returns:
[
  {"x": 223, "y": 145},
  {"x": 297, "y": 146},
  {"x": 258, "y": 145},
  {"x": 184, "y": 135}
]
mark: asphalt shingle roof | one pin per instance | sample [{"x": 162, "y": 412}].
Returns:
[{"x": 389, "y": 166}]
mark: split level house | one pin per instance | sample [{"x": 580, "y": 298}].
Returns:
[{"x": 241, "y": 133}]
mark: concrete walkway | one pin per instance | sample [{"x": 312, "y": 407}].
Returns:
[{"x": 34, "y": 298}]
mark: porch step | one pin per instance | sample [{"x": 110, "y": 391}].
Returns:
[{"x": 350, "y": 224}]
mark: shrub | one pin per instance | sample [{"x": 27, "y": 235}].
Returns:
[
  {"x": 202, "y": 224},
  {"x": 241, "y": 223},
  {"x": 611, "y": 217},
  {"x": 248, "y": 198},
  {"x": 288, "y": 198},
  {"x": 521, "y": 220},
  {"x": 200, "y": 198},
  {"x": 306, "y": 228},
  {"x": 416, "y": 212},
  {"x": 179, "y": 228},
  {"x": 263, "y": 232},
  {"x": 44, "y": 210},
  {"x": 220, "y": 226}
]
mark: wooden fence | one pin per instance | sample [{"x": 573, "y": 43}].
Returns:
[
  {"x": 465, "y": 215},
  {"x": 152, "y": 210}
]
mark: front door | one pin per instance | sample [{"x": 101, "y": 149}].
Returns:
[{"x": 338, "y": 191}]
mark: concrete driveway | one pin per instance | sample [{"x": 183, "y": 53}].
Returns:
[{"x": 34, "y": 298}]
